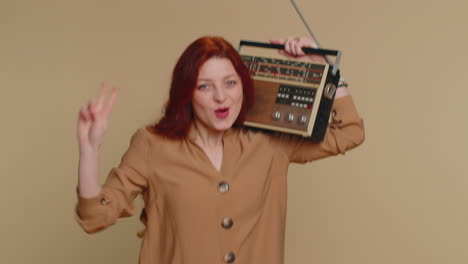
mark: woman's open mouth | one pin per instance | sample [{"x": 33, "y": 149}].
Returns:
[{"x": 222, "y": 112}]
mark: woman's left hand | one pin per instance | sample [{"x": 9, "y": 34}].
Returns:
[{"x": 293, "y": 49}]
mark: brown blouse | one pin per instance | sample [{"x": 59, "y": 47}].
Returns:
[{"x": 196, "y": 214}]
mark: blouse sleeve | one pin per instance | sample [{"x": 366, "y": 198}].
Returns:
[
  {"x": 121, "y": 187},
  {"x": 344, "y": 132}
]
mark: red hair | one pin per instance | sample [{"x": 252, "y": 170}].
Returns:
[{"x": 178, "y": 114}]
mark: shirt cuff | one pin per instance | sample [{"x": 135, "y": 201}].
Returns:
[{"x": 344, "y": 111}]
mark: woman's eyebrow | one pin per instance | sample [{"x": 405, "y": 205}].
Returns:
[
  {"x": 230, "y": 75},
  {"x": 209, "y": 79}
]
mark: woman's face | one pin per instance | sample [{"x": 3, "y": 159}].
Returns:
[{"x": 217, "y": 99}]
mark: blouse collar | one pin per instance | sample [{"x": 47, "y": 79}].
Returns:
[{"x": 193, "y": 133}]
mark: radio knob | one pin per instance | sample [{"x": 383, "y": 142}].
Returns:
[
  {"x": 303, "y": 119},
  {"x": 290, "y": 117},
  {"x": 276, "y": 115}
]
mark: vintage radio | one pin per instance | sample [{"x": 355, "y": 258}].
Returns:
[{"x": 291, "y": 96}]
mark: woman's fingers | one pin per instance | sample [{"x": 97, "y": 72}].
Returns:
[
  {"x": 84, "y": 114},
  {"x": 92, "y": 110},
  {"x": 280, "y": 42},
  {"x": 100, "y": 108},
  {"x": 93, "y": 117},
  {"x": 102, "y": 96},
  {"x": 292, "y": 46},
  {"x": 306, "y": 42},
  {"x": 298, "y": 48},
  {"x": 277, "y": 41},
  {"x": 288, "y": 46},
  {"x": 293, "y": 49},
  {"x": 110, "y": 103}
]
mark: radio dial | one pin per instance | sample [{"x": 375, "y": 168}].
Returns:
[
  {"x": 290, "y": 117},
  {"x": 276, "y": 115},
  {"x": 303, "y": 120}
]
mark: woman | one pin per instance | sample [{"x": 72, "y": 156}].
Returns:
[{"x": 214, "y": 192}]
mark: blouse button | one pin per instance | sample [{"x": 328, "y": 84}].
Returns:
[
  {"x": 227, "y": 223},
  {"x": 229, "y": 257},
  {"x": 223, "y": 187},
  {"x": 104, "y": 201}
]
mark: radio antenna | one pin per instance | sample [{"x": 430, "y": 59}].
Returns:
[
  {"x": 305, "y": 23},
  {"x": 312, "y": 33}
]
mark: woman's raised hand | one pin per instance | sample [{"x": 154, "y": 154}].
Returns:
[
  {"x": 93, "y": 119},
  {"x": 293, "y": 49}
]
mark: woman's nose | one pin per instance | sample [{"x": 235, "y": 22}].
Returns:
[{"x": 219, "y": 94}]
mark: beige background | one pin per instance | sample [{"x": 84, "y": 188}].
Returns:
[{"x": 400, "y": 198}]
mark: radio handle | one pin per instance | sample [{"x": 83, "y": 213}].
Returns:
[{"x": 336, "y": 53}]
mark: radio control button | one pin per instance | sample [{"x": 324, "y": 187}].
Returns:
[
  {"x": 290, "y": 117},
  {"x": 303, "y": 119},
  {"x": 276, "y": 115}
]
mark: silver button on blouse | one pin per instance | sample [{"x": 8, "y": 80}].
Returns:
[
  {"x": 223, "y": 187},
  {"x": 104, "y": 201},
  {"x": 227, "y": 223},
  {"x": 229, "y": 257}
]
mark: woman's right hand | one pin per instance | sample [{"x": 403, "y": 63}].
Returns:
[
  {"x": 293, "y": 49},
  {"x": 93, "y": 119}
]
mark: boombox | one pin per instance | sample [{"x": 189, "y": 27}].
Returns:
[{"x": 291, "y": 96}]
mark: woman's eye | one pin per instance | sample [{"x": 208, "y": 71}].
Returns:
[
  {"x": 203, "y": 86},
  {"x": 231, "y": 83}
]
